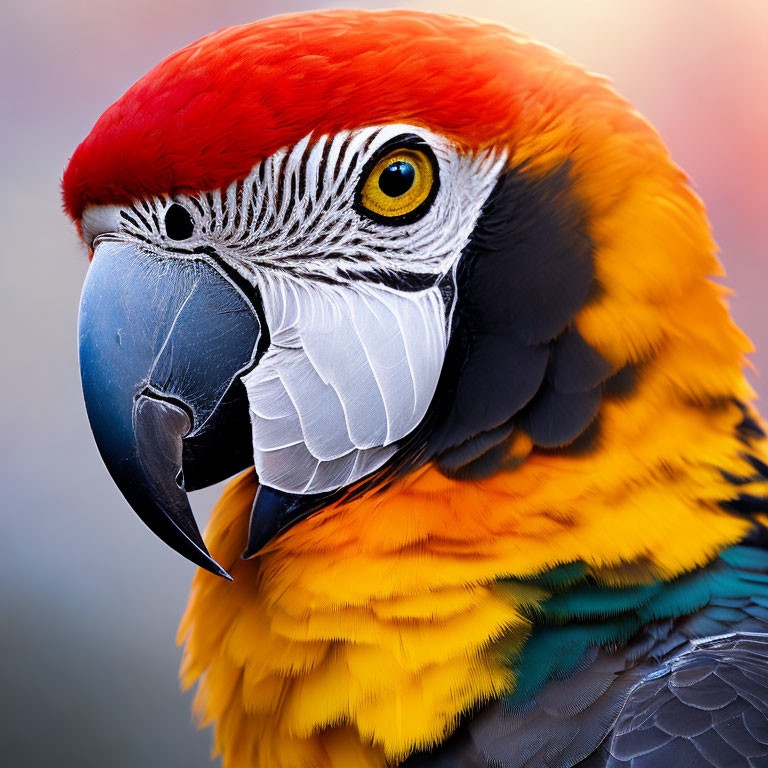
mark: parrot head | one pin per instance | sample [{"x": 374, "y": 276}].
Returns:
[{"x": 341, "y": 246}]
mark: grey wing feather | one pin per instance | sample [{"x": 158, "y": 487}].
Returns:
[
  {"x": 665, "y": 700},
  {"x": 568, "y": 719},
  {"x": 707, "y": 707}
]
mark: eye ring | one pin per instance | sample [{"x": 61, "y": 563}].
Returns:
[{"x": 399, "y": 184}]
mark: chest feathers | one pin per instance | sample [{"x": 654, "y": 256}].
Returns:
[{"x": 367, "y": 631}]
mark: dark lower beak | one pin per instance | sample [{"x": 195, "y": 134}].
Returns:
[{"x": 163, "y": 344}]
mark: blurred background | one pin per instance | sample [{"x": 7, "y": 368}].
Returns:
[{"x": 89, "y": 599}]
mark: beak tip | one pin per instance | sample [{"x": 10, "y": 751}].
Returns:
[
  {"x": 217, "y": 570},
  {"x": 203, "y": 560}
]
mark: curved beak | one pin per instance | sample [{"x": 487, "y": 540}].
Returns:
[{"x": 163, "y": 344}]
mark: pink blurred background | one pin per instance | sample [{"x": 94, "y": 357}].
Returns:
[{"x": 89, "y": 600}]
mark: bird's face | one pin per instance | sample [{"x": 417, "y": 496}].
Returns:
[
  {"x": 297, "y": 320},
  {"x": 341, "y": 245}
]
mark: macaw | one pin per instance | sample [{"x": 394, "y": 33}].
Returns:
[{"x": 444, "y": 301}]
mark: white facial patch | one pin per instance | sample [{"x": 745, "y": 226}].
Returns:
[
  {"x": 358, "y": 310},
  {"x": 350, "y": 371}
]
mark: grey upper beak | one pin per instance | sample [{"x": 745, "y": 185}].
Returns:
[{"x": 163, "y": 344}]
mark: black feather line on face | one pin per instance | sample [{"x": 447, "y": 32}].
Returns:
[{"x": 407, "y": 282}]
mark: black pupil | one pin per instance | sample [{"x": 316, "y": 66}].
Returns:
[
  {"x": 397, "y": 178},
  {"x": 178, "y": 223}
]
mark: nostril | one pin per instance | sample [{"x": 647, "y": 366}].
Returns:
[{"x": 178, "y": 223}]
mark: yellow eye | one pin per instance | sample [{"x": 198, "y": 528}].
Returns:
[{"x": 399, "y": 183}]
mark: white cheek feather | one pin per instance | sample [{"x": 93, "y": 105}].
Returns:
[{"x": 351, "y": 370}]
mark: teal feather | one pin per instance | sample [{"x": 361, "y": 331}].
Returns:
[
  {"x": 678, "y": 598},
  {"x": 582, "y": 615},
  {"x": 598, "y": 602},
  {"x": 749, "y": 558},
  {"x": 557, "y": 652},
  {"x": 561, "y": 576}
]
